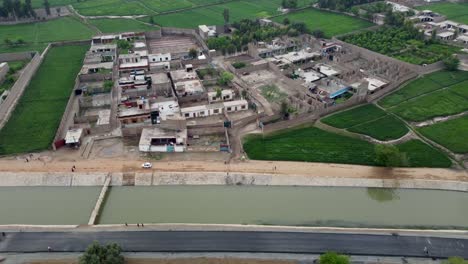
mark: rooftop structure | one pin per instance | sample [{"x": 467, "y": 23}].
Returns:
[
  {"x": 158, "y": 139},
  {"x": 226, "y": 95},
  {"x": 167, "y": 109},
  {"x": 73, "y": 136},
  {"x": 207, "y": 31},
  {"x": 327, "y": 70},
  {"x": 189, "y": 87},
  {"x": 181, "y": 75}
]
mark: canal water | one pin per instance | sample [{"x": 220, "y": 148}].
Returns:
[
  {"x": 47, "y": 205},
  {"x": 305, "y": 206}
]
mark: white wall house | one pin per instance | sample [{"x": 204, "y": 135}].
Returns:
[
  {"x": 214, "y": 109},
  {"x": 226, "y": 95}
]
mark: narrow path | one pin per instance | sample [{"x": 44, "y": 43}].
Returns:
[
  {"x": 426, "y": 93},
  {"x": 342, "y": 131},
  {"x": 84, "y": 20},
  {"x": 455, "y": 158},
  {"x": 436, "y": 120}
]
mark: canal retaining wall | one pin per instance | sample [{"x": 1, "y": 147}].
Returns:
[{"x": 215, "y": 178}]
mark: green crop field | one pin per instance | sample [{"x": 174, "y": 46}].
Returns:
[
  {"x": 315, "y": 145},
  {"x": 37, "y": 35},
  {"x": 213, "y": 15},
  {"x": 120, "y": 25},
  {"x": 40, "y": 3},
  {"x": 368, "y": 120},
  {"x": 385, "y": 128},
  {"x": 354, "y": 116},
  {"x": 451, "y": 134},
  {"x": 112, "y": 7},
  {"x": 421, "y": 86},
  {"x": 439, "y": 103},
  {"x": 453, "y": 11},
  {"x": 331, "y": 24},
  {"x": 420, "y": 154},
  {"x": 33, "y": 124}
]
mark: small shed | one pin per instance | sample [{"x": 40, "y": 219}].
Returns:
[{"x": 73, "y": 137}]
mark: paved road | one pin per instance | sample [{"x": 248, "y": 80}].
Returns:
[{"x": 233, "y": 241}]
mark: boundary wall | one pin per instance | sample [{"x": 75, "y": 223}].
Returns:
[{"x": 156, "y": 178}]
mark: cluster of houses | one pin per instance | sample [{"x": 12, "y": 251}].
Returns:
[
  {"x": 446, "y": 30},
  {"x": 159, "y": 93},
  {"x": 312, "y": 65},
  {"x": 431, "y": 23}
]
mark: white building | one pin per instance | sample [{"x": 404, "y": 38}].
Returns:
[
  {"x": 207, "y": 31},
  {"x": 214, "y": 109},
  {"x": 188, "y": 88},
  {"x": 226, "y": 95},
  {"x": 3, "y": 71},
  {"x": 158, "y": 139}
]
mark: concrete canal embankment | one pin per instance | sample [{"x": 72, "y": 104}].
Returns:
[{"x": 214, "y": 178}]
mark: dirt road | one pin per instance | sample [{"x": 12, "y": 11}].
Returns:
[{"x": 270, "y": 167}]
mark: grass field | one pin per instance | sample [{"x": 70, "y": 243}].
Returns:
[
  {"x": 426, "y": 84},
  {"x": 37, "y": 35},
  {"x": 120, "y": 25},
  {"x": 451, "y": 134},
  {"x": 420, "y": 154},
  {"x": 439, "y": 103},
  {"x": 368, "y": 120},
  {"x": 385, "y": 128},
  {"x": 453, "y": 11},
  {"x": 314, "y": 145},
  {"x": 354, "y": 116},
  {"x": 330, "y": 23},
  {"x": 35, "y": 119},
  {"x": 40, "y": 3},
  {"x": 213, "y": 15},
  {"x": 111, "y": 7}
]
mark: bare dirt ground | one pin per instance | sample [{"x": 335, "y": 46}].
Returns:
[{"x": 195, "y": 162}]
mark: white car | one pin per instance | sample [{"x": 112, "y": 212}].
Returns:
[{"x": 147, "y": 165}]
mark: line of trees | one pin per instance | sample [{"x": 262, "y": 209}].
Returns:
[
  {"x": 342, "y": 5},
  {"x": 17, "y": 9},
  {"x": 248, "y": 31}
]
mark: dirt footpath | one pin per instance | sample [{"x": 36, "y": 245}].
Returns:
[{"x": 270, "y": 167}]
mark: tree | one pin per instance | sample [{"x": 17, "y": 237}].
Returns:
[
  {"x": 151, "y": 20},
  {"x": 8, "y": 6},
  {"x": 97, "y": 254},
  {"x": 47, "y": 7},
  {"x": 8, "y": 42},
  {"x": 333, "y": 258},
  {"x": 225, "y": 78},
  {"x": 299, "y": 26},
  {"x": 289, "y": 3},
  {"x": 193, "y": 53},
  {"x": 318, "y": 33},
  {"x": 226, "y": 16},
  {"x": 123, "y": 44},
  {"x": 219, "y": 92},
  {"x": 455, "y": 260},
  {"x": 108, "y": 85},
  {"x": 451, "y": 63},
  {"x": 387, "y": 155},
  {"x": 286, "y": 21},
  {"x": 284, "y": 109}
]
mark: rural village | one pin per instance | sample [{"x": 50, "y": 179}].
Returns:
[{"x": 301, "y": 99}]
